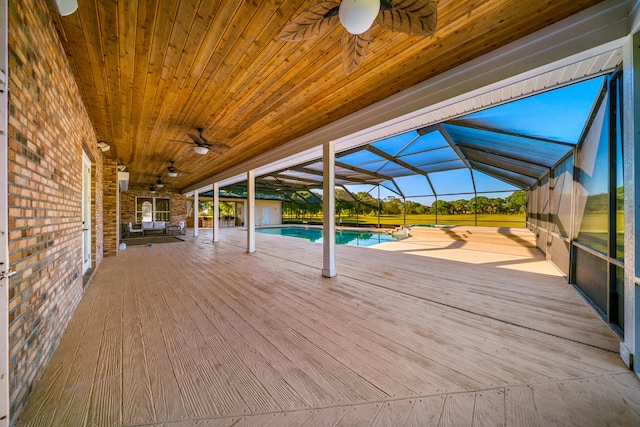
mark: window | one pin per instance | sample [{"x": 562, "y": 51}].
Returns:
[{"x": 153, "y": 209}]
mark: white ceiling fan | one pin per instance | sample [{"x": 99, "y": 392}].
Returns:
[
  {"x": 202, "y": 145},
  {"x": 417, "y": 17}
]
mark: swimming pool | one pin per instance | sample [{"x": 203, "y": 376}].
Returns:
[{"x": 343, "y": 237}]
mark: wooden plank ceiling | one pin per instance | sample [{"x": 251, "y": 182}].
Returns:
[{"x": 152, "y": 71}]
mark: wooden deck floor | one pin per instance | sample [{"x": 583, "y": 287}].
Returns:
[{"x": 431, "y": 330}]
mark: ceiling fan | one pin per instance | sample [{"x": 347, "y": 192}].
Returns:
[
  {"x": 172, "y": 171},
  {"x": 417, "y": 17},
  {"x": 202, "y": 145}
]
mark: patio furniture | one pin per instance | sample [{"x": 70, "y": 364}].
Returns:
[
  {"x": 154, "y": 226},
  {"x": 180, "y": 228},
  {"x": 130, "y": 230}
]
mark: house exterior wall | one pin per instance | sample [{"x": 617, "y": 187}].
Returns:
[
  {"x": 48, "y": 129},
  {"x": 128, "y": 203},
  {"x": 111, "y": 203}
]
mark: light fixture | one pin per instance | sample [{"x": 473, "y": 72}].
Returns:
[
  {"x": 159, "y": 183},
  {"x": 103, "y": 146},
  {"x": 201, "y": 149},
  {"x": 172, "y": 172},
  {"x": 152, "y": 190},
  {"x": 67, "y": 7},
  {"x": 356, "y": 16}
]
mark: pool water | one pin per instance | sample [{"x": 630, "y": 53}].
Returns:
[{"x": 343, "y": 237}]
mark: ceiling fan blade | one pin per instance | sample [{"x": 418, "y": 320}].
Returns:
[
  {"x": 311, "y": 23},
  {"x": 179, "y": 140},
  {"x": 217, "y": 146},
  {"x": 354, "y": 48},
  {"x": 196, "y": 138},
  {"x": 417, "y": 17}
]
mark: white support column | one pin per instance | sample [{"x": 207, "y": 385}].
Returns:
[
  {"x": 195, "y": 213},
  {"x": 216, "y": 215},
  {"x": 244, "y": 213},
  {"x": 630, "y": 347},
  {"x": 328, "y": 210},
  {"x": 250, "y": 212}
]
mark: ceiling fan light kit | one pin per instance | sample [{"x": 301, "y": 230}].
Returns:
[
  {"x": 66, "y": 7},
  {"x": 200, "y": 149},
  {"x": 202, "y": 145},
  {"x": 357, "y": 16},
  {"x": 415, "y": 17},
  {"x": 172, "y": 172}
]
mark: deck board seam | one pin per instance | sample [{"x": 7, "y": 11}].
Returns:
[
  {"x": 506, "y": 322},
  {"x": 382, "y": 401}
]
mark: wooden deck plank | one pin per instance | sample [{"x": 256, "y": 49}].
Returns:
[
  {"x": 285, "y": 318},
  {"x": 359, "y": 415},
  {"x": 325, "y": 417},
  {"x": 489, "y": 409},
  {"x": 277, "y": 387},
  {"x": 368, "y": 361},
  {"x": 576, "y": 396},
  {"x": 167, "y": 399},
  {"x": 210, "y": 335},
  {"x": 323, "y": 312},
  {"x": 282, "y": 338},
  {"x": 520, "y": 406},
  {"x": 393, "y": 413},
  {"x": 550, "y": 405},
  {"x": 425, "y": 411},
  {"x": 457, "y": 410},
  {"x": 137, "y": 400},
  {"x": 105, "y": 408}
]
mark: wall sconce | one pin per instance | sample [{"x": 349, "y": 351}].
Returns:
[{"x": 103, "y": 146}]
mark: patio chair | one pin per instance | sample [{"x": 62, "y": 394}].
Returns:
[
  {"x": 180, "y": 228},
  {"x": 131, "y": 230}
]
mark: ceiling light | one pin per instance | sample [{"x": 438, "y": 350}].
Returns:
[
  {"x": 172, "y": 171},
  {"x": 103, "y": 146},
  {"x": 67, "y": 7},
  {"x": 152, "y": 190},
  {"x": 356, "y": 16},
  {"x": 200, "y": 149},
  {"x": 159, "y": 183}
]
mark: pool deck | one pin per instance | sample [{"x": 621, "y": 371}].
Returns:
[{"x": 442, "y": 328}]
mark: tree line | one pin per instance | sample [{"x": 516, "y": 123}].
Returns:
[{"x": 365, "y": 204}]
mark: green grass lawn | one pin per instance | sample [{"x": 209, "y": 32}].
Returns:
[{"x": 497, "y": 220}]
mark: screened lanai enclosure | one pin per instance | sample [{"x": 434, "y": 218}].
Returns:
[
  {"x": 489, "y": 153},
  {"x": 563, "y": 146}
]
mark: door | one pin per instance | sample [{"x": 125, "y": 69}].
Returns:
[
  {"x": 5, "y": 272},
  {"x": 266, "y": 216},
  {"x": 86, "y": 213}
]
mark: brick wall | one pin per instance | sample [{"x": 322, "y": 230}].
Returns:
[
  {"x": 128, "y": 203},
  {"x": 111, "y": 195},
  {"x": 48, "y": 130}
]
